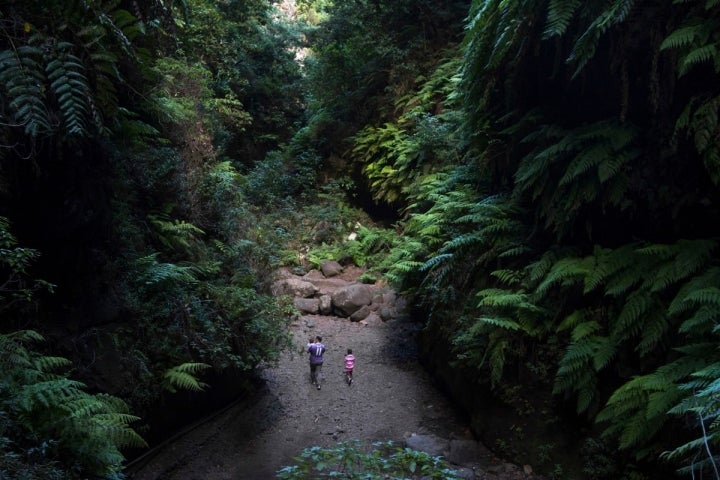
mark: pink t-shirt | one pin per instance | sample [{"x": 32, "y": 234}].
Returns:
[{"x": 349, "y": 362}]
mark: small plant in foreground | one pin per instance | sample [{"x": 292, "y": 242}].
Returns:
[{"x": 349, "y": 460}]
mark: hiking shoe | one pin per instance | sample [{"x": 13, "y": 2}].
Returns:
[{"x": 318, "y": 386}]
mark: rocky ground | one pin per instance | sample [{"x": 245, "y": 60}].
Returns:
[{"x": 391, "y": 398}]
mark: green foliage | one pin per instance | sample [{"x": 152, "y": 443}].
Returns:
[
  {"x": 279, "y": 177},
  {"x": 49, "y": 413},
  {"x": 590, "y": 163},
  {"x": 174, "y": 234},
  {"x": 366, "y": 246},
  {"x": 605, "y": 16},
  {"x": 349, "y": 460},
  {"x": 559, "y": 16},
  {"x": 183, "y": 377},
  {"x": 399, "y": 154},
  {"x": 16, "y": 260},
  {"x": 697, "y": 42},
  {"x": 63, "y": 80},
  {"x": 699, "y": 121}
]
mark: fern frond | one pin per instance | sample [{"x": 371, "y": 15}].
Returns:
[
  {"x": 22, "y": 77},
  {"x": 48, "y": 393},
  {"x": 503, "y": 323},
  {"x": 183, "y": 377},
  {"x": 682, "y": 37},
  {"x": 607, "y": 263},
  {"x": 696, "y": 56},
  {"x": 48, "y": 364},
  {"x": 152, "y": 272},
  {"x": 630, "y": 320},
  {"x": 174, "y": 233},
  {"x": 576, "y": 374},
  {"x": 565, "y": 271},
  {"x": 654, "y": 329},
  {"x": 559, "y": 15},
  {"x": 509, "y": 277},
  {"x": 584, "y": 49},
  {"x": 585, "y": 329}
]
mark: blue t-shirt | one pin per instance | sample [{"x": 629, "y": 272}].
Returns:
[{"x": 316, "y": 351}]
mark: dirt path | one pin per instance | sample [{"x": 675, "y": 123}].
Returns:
[{"x": 390, "y": 397}]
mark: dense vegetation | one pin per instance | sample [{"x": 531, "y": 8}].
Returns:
[{"x": 551, "y": 168}]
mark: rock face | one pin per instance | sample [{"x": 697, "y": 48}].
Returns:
[{"x": 325, "y": 292}]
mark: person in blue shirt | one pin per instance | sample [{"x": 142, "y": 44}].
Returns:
[{"x": 316, "y": 351}]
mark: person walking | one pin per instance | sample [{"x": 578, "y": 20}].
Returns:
[
  {"x": 316, "y": 351},
  {"x": 349, "y": 366}
]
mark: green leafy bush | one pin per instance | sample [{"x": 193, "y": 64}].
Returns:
[{"x": 349, "y": 460}]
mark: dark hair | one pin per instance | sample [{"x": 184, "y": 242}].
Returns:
[
  {"x": 319, "y": 338},
  {"x": 349, "y": 351}
]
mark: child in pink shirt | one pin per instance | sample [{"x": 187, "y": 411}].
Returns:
[{"x": 349, "y": 366}]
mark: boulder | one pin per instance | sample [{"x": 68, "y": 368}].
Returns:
[
  {"x": 307, "y": 305},
  {"x": 360, "y": 314},
  {"x": 295, "y": 287},
  {"x": 465, "y": 451},
  {"x": 430, "y": 444},
  {"x": 386, "y": 313},
  {"x": 325, "y": 304},
  {"x": 313, "y": 275},
  {"x": 330, "y": 268},
  {"x": 348, "y": 300},
  {"x": 373, "y": 320}
]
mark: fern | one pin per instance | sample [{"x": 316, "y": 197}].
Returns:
[
  {"x": 45, "y": 405},
  {"x": 585, "y": 46},
  {"x": 590, "y": 162},
  {"x": 700, "y": 121},
  {"x": 65, "y": 73},
  {"x": 576, "y": 374},
  {"x": 565, "y": 271},
  {"x": 153, "y": 273},
  {"x": 22, "y": 77},
  {"x": 183, "y": 377},
  {"x": 683, "y": 36},
  {"x": 174, "y": 234},
  {"x": 638, "y": 409},
  {"x": 559, "y": 15}
]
